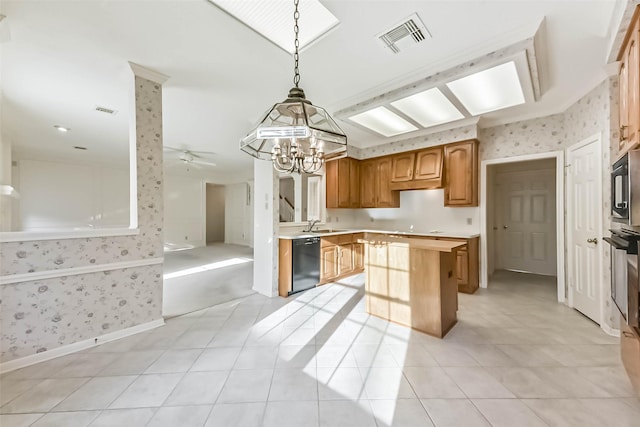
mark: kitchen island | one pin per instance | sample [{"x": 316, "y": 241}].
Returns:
[{"x": 412, "y": 281}]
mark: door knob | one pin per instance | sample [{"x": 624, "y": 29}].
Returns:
[
  {"x": 594, "y": 241},
  {"x": 505, "y": 226}
]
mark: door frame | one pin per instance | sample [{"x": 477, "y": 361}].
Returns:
[
  {"x": 560, "y": 237},
  {"x": 597, "y": 138}
]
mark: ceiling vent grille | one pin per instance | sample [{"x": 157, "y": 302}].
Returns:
[
  {"x": 105, "y": 110},
  {"x": 408, "y": 32}
]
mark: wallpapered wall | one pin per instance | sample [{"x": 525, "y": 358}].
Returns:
[{"x": 41, "y": 315}]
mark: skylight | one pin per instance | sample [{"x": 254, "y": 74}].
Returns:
[
  {"x": 274, "y": 19},
  {"x": 490, "y": 90},
  {"x": 429, "y": 108},
  {"x": 383, "y": 121}
]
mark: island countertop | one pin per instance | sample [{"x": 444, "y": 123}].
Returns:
[
  {"x": 334, "y": 232},
  {"x": 407, "y": 241}
]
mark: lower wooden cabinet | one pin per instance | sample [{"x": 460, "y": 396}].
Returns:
[
  {"x": 467, "y": 264},
  {"x": 630, "y": 354},
  {"x": 341, "y": 256}
]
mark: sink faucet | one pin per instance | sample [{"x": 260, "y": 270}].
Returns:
[{"x": 311, "y": 224}]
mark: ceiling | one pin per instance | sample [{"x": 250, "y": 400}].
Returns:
[{"x": 65, "y": 58}]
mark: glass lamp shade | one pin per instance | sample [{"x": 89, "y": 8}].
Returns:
[{"x": 295, "y": 122}]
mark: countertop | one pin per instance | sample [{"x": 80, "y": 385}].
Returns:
[{"x": 335, "y": 232}]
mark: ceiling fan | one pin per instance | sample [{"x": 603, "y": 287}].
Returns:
[{"x": 188, "y": 157}]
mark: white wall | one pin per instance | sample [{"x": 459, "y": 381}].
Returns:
[
  {"x": 420, "y": 211},
  {"x": 215, "y": 213},
  {"x": 184, "y": 210},
  {"x": 56, "y": 196},
  {"x": 238, "y": 213}
]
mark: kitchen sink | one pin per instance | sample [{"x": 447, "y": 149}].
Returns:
[{"x": 327, "y": 230}]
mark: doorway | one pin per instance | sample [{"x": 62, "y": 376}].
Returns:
[
  {"x": 214, "y": 221},
  {"x": 522, "y": 217}
]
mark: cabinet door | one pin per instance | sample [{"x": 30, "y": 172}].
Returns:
[
  {"x": 358, "y": 256},
  {"x": 345, "y": 257},
  {"x": 386, "y": 198},
  {"x": 402, "y": 167},
  {"x": 328, "y": 263},
  {"x": 344, "y": 183},
  {"x": 354, "y": 183},
  {"x": 367, "y": 184},
  {"x": 331, "y": 178},
  {"x": 428, "y": 164},
  {"x": 461, "y": 174},
  {"x": 462, "y": 266},
  {"x": 633, "y": 88},
  {"x": 623, "y": 106}
]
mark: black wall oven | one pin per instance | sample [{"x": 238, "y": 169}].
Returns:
[
  {"x": 625, "y": 197},
  {"x": 624, "y": 274}
]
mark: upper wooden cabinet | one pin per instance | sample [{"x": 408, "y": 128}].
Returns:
[
  {"x": 402, "y": 167},
  {"x": 417, "y": 170},
  {"x": 343, "y": 183},
  {"x": 375, "y": 184},
  {"x": 461, "y": 173},
  {"x": 629, "y": 84}
]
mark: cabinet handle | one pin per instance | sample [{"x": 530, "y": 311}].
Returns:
[
  {"x": 622, "y": 136},
  {"x": 627, "y": 334}
]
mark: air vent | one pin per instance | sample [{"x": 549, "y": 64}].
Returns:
[
  {"x": 77, "y": 147},
  {"x": 408, "y": 32},
  {"x": 105, "y": 110}
]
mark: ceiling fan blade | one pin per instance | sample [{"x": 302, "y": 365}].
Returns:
[{"x": 200, "y": 162}]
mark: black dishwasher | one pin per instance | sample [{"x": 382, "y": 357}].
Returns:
[{"x": 306, "y": 263}]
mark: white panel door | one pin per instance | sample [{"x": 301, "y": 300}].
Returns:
[
  {"x": 584, "y": 226},
  {"x": 527, "y": 221}
]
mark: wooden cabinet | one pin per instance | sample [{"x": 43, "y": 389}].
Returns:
[
  {"x": 461, "y": 173},
  {"x": 328, "y": 263},
  {"x": 462, "y": 266},
  {"x": 375, "y": 181},
  {"x": 629, "y": 84},
  {"x": 467, "y": 264},
  {"x": 341, "y": 255},
  {"x": 630, "y": 354},
  {"x": 417, "y": 170},
  {"x": 343, "y": 183},
  {"x": 402, "y": 167}
]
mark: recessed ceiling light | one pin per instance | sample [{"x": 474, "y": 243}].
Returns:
[
  {"x": 490, "y": 90},
  {"x": 429, "y": 108},
  {"x": 61, "y": 128},
  {"x": 274, "y": 19},
  {"x": 383, "y": 121}
]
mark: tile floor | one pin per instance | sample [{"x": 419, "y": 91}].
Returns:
[{"x": 515, "y": 358}]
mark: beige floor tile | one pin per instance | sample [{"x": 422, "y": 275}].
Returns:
[
  {"x": 346, "y": 412},
  {"x": 131, "y": 363},
  {"x": 386, "y": 383},
  {"x": 526, "y": 383},
  {"x": 564, "y": 412},
  {"x": 124, "y": 417},
  {"x": 454, "y": 413},
  {"x": 508, "y": 413},
  {"x": 183, "y": 416},
  {"x": 10, "y": 389},
  {"x": 173, "y": 361},
  {"x": 400, "y": 413},
  {"x": 67, "y": 419},
  {"x": 216, "y": 359},
  {"x": 286, "y": 414},
  {"x": 340, "y": 384},
  {"x": 293, "y": 385},
  {"x": 257, "y": 358},
  {"x": 432, "y": 382},
  {"x": 236, "y": 414},
  {"x": 198, "y": 388},
  {"x": 476, "y": 382},
  {"x": 19, "y": 420},
  {"x": 97, "y": 393},
  {"x": 147, "y": 391},
  {"x": 250, "y": 385},
  {"x": 44, "y": 396}
]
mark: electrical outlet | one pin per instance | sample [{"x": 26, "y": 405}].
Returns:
[
  {"x": 371, "y": 219},
  {"x": 186, "y": 238},
  {"x": 469, "y": 221},
  {"x": 337, "y": 219}
]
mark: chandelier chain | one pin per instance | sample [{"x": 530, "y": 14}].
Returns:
[{"x": 296, "y": 56}]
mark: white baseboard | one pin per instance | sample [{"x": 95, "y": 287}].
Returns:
[
  {"x": 610, "y": 331},
  {"x": 23, "y": 362}
]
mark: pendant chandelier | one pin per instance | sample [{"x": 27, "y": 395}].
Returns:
[{"x": 294, "y": 134}]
